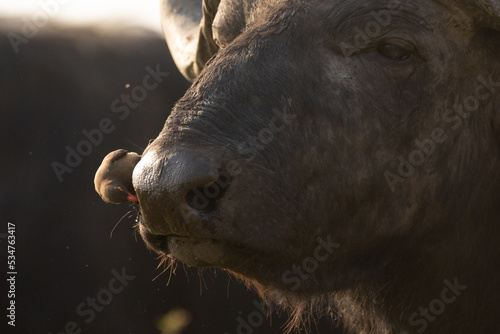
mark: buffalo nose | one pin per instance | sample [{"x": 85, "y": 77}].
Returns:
[{"x": 168, "y": 186}]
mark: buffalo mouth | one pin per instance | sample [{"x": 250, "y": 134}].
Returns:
[
  {"x": 190, "y": 250},
  {"x": 194, "y": 251}
]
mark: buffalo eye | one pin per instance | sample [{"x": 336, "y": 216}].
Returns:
[{"x": 394, "y": 52}]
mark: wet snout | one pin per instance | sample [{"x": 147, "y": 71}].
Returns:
[{"x": 177, "y": 192}]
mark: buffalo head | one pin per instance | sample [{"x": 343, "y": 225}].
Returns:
[{"x": 339, "y": 154}]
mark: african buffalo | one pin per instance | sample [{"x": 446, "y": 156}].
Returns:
[{"x": 342, "y": 157}]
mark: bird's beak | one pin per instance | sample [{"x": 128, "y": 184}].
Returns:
[{"x": 132, "y": 198}]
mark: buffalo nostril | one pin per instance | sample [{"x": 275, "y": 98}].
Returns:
[
  {"x": 205, "y": 199},
  {"x": 167, "y": 185}
]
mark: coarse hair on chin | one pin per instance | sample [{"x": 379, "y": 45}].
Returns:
[{"x": 304, "y": 310}]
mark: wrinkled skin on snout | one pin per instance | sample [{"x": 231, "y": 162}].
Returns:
[{"x": 341, "y": 154}]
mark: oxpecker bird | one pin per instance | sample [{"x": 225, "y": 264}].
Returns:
[{"x": 113, "y": 179}]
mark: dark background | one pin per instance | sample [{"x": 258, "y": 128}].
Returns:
[{"x": 61, "y": 82}]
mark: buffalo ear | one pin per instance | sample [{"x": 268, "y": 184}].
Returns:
[{"x": 187, "y": 26}]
